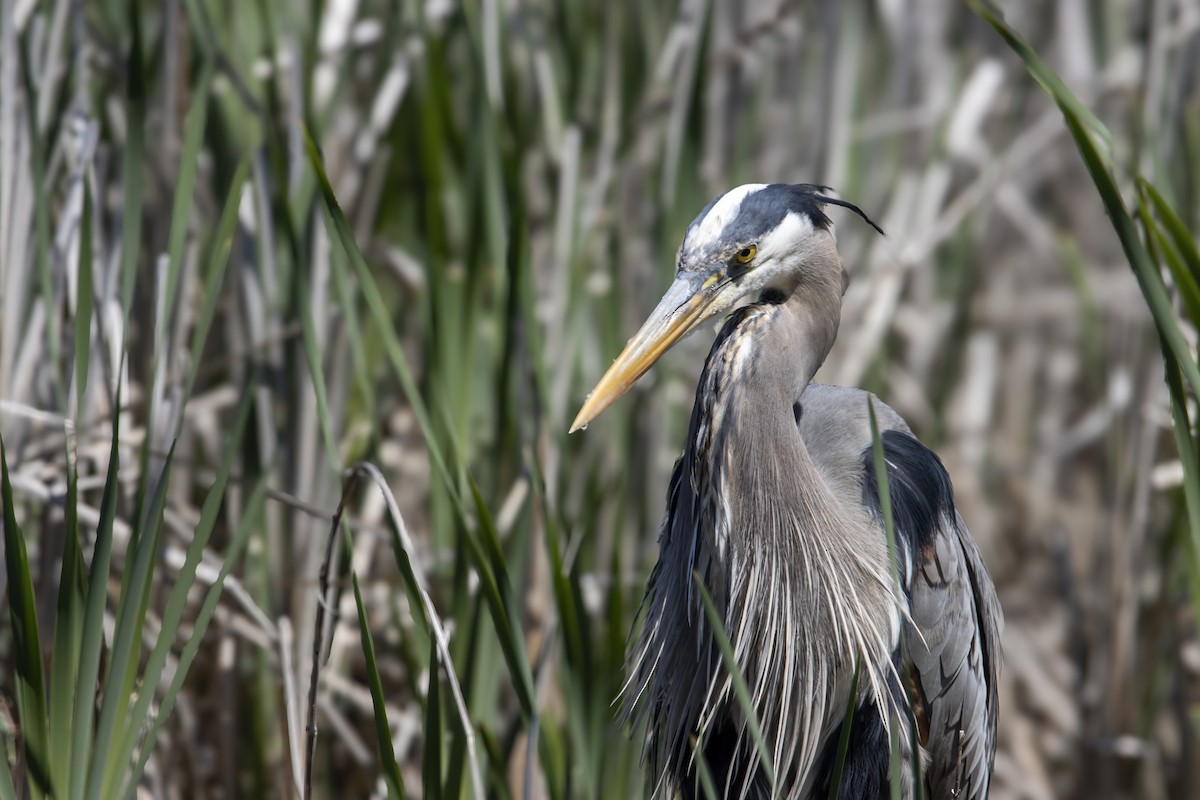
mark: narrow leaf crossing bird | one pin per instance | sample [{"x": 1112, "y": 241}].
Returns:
[{"x": 775, "y": 511}]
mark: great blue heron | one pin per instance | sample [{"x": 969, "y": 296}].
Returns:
[{"x": 775, "y": 505}]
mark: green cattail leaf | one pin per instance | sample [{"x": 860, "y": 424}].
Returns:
[
  {"x": 26, "y": 646},
  {"x": 383, "y": 731}
]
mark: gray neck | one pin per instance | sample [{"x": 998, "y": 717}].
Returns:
[
  {"x": 744, "y": 435},
  {"x": 802, "y": 572},
  {"x": 778, "y": 500}
]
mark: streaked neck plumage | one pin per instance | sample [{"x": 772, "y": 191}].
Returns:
[{"x": 789, "y": 574}]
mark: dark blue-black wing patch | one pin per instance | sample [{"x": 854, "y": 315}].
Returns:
[{"x": 919, "y": 487}]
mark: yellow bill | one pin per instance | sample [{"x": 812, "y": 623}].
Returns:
[{"x": 685, "y": 305}]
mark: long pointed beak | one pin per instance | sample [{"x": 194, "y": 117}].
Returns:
[{"x": 686, "y": 304}]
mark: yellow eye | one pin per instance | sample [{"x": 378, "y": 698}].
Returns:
[{"x": 746, "y": 254}]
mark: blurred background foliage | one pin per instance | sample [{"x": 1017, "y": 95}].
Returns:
[{"x": 206, "y": 317}]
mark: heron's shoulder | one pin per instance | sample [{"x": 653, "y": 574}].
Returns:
[
  {"x": 834, "y": 423},
  {"x": 839, "y": 417}
]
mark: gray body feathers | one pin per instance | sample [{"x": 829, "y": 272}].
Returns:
[{"x": 776, "y": 509}]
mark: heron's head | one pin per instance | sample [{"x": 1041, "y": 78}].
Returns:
[{"x": 752, "y": 240}]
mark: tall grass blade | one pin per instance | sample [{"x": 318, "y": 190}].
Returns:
[
  {"x": 93, "y": 621},
  {"x": 68, "y": 631},
  {"x": 180, "y": 218},
  {"x": 26, "y": 646},
  {"x": 132, "y": 199},
  {"x": 83, "y": 306},
  {"x": 839, "y": 761},
  {"x": 7, "y": 790},
  {"x": 185, "y": 187},
  {"x": 176, "y": 603},
  {"x": 570, "y": 615},
  {"x": 473, "y": 661},
  {"x": 122, "y": 668},
  {"x": 41, "y": 213},
  {"x": 344, "y": 236},
  {"x": 316, "y": 369},
  {"x": 431, "y": 767},
  {"x": 879, "y": 462},
  {"x": 1079, "y": 121},
  {"x": 383, "y": 731},
  {"x": 133, "y": 161},
  {"x": 346, "y": 300},
  {"x": 1164, "y": 251},
  {"x": 1149, "y": 278},
  {"x": 704, "y": 776},
  {"x": 883, "y": 484},
  {"x": 69, "y": 623},
  {"x": 1046, "y": 77},
  {"x": 740, "y": 689},
  {"x": 251, "y": 520},
  {"x": 503, "y": 606},
  {"x": 1184, "y": 241},
  {"x": 1190, "y": 459},
  {"x": 894, "y": 790},
  {"x": 218, "y": 261},
  {"x": 401, "y": 544}
]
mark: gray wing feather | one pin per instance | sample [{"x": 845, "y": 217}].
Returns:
[
  {"x": 953, "y": 643},
  {"x": 952, "y": 636}
]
